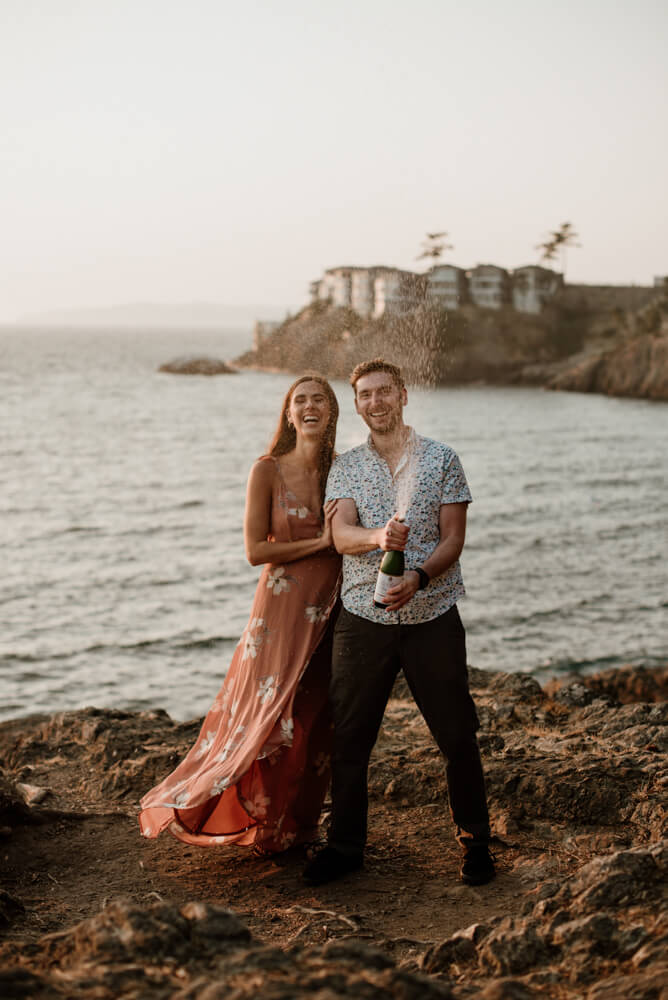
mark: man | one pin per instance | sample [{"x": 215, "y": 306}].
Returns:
[{"x": 419, "y": 631}]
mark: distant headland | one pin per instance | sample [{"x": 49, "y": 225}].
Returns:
[{"x": 456, "y": 326}]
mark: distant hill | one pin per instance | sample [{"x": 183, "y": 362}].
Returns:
[{"x": 156, "y": 314}]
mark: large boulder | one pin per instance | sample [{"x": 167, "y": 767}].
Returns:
[{"x": 197, "y": 366}]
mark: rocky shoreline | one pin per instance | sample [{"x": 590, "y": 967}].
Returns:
[
  {"x": 576, "y": 775},
  {"x": 636, "y": 368}
]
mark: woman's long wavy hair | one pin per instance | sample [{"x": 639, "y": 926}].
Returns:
[{"x": 285, "y": 436}]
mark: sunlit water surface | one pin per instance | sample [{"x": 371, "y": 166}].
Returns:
[{"x": 124, "y": 581}]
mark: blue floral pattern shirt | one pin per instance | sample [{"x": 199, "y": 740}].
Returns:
[{"x": 429, "y": 474}]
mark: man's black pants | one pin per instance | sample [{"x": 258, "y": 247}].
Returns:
[{"x": 366, "y": 660}]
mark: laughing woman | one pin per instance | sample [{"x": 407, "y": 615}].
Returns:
[{"x": 259, "y": 770}]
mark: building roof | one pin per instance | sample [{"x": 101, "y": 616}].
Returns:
[
  {"x": 442, "y": 267},
  {"x": 488, "y": 267},
  {"x": 536, "y": 267}
]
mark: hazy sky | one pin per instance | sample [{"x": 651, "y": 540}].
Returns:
[{"x": 182, "y": 150}]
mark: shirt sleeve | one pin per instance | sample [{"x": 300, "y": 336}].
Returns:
[
  {"x": 338, "y": 487},
  {"x": 454, "y": 489}
]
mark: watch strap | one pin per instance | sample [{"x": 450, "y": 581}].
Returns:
[{"x": 424, "y": 577}]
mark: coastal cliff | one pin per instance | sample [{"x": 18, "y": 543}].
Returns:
[
  {"x": 576, "y": 775},
  {"x": 637, "y": 367},
  {"x": 583, "y": 341},
  {"x": 430, "y": 345}
]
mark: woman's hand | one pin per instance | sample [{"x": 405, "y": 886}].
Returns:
[{"x": 329, "y": 510}]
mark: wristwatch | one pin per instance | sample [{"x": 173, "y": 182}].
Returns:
[{"x": 424, "y": 577}]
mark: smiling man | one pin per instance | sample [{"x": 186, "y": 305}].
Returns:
[{"x": 419, "y": 632}]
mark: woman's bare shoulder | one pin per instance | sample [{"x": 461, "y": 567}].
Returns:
[{"x": 264, "y": 469}]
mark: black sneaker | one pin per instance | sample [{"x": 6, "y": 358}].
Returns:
[
  {"x": 330, "y": 864},
  {"x": 478, "y": 865}
]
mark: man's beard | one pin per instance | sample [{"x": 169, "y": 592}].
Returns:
[{"x": 391, "y": 425}]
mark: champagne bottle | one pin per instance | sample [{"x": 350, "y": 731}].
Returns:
[{"x": 390, "y": 573}]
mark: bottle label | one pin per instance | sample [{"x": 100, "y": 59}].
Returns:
[{"x": 383, "y": 584}]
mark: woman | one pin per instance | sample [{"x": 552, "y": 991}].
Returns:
[{"x": 259, "y": 770}]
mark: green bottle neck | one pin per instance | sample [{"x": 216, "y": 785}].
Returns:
[{"x": 393, "y": 563}]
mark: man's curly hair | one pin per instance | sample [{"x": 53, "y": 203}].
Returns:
[{"x": 376, "y": 365}]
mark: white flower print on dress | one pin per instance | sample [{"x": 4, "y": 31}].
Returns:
[
  {"x": 258, "y": 806},
  {"x": 206, "y": 744},
  {"x": 277, "y": 581},
  {"x": 171, "y": 792},
  {"x": 300, "y": 512},
  {"x": 220, "y": 784},
  {"x": 287, "y": 730},
  {"x": 255, "y": 635},
  {"x": 270, "y": 753},
  {"x": 253, "y": 643},
  {"x": 229, "y": 744},
  {"x": 315, "y": 613},
  {"x": 286, "y": 840},
  {"x": 266, "y": 689},
  {"x": 182, "y": 800}
]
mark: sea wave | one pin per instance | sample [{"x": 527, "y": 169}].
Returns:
[{"x": 169, "y": 643}]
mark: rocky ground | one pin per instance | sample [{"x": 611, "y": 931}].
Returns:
[{"x": 577, "y": 784}]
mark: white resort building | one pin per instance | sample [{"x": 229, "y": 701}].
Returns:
[
  {"x": 489, "y": 286},
  {"x": 533, "y": 286},
  {"x": 380, "y": 290},
  {"x": 447, "y": 285},
  {"x": 335, "y": 286},
  {"x": 396, "y": 292}
]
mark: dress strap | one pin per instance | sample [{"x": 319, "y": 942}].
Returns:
[{"x": 277, "y": 466}]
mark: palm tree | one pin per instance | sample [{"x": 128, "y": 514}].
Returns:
[
  {"x": 559, "y": 240},
  {"x": 434, "y": 246}
]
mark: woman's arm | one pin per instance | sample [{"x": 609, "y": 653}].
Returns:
[{"x": 257, "y": 523}]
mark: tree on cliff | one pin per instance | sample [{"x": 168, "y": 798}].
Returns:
[
  {"x": 559, "y": 240},
  {"x": 434, "y": 246}
]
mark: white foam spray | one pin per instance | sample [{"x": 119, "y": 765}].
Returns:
[{"x": 405, "y": 478}]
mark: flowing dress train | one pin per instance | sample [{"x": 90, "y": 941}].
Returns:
[{"x": 259, "y": 770}]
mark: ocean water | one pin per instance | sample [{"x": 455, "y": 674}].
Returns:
[{"x": 124, "y": 581}]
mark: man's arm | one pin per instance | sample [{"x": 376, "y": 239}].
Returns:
[
  {"x": 351, "y": 539},
  {"x": 452, "y": 530}
]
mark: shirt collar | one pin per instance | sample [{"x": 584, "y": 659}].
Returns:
[{"x": 411, "y": 442}]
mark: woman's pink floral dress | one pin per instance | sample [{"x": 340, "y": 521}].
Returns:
[{"x": 259, "y": 771}]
